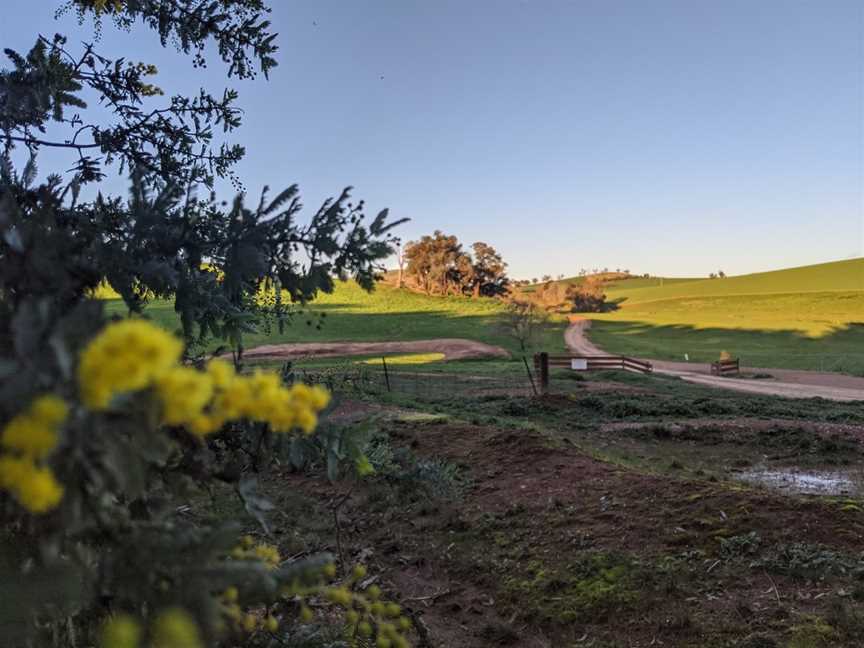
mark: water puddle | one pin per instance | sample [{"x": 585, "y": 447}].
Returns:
[{"x": 805, "y": 482}]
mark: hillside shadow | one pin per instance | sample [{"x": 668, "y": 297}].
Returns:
[
  {"x": 344, "y": 326},
  {"x": 840, "y": 349}
]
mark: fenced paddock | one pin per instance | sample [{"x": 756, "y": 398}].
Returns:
[{"x": 431, "y": 385}]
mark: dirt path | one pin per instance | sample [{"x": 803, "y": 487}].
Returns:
[
  {"x": 452, "y": 348},
  {"x": 789, "y": 383}
]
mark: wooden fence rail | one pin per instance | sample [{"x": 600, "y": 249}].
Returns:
[
  {"x": 726, "y": 367},
  {"x": 543, "y": 361}
]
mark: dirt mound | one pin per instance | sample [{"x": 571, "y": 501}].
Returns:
[{"x": 452, "y": 348}]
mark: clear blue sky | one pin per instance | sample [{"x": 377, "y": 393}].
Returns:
[{"x": 672, "y": 137}]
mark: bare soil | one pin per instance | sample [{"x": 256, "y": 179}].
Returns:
[{"x": 509, "y": 562}]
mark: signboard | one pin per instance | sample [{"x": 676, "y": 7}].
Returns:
[{"x": 579, "y": 364}]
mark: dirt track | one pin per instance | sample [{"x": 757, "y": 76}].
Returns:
[
  {"x": 452, "y": 348},
  {"x": 789, "y": 383}
]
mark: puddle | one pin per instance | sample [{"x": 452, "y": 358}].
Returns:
[{"x": 793, "y": 481}]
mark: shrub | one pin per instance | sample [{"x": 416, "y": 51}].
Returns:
[{"x": 108, "y": 426}]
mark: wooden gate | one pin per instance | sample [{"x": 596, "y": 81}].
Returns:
[{"x": 543, "y": 361}]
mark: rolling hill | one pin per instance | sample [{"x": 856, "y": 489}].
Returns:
[
  {"x": 836, "y": 276},
  {"x": 810, "y": 317}
]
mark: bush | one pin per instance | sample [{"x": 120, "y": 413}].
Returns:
[{"x": 107, "y": 427}]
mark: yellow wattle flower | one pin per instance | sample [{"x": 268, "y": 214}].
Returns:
[
  {"x": 121, "y": 631},
  {"x": 36, "y": 489},
  {"x": 175, "y": 628},
  {"x": 126, "y": 356},
  {"x": 184, "y": 393},
  {"x": 33, "y": 433},
  {"x": 49, "y": 409},
  {"x": 221, "y": 372},
  {"x": 13, "y": 470}
]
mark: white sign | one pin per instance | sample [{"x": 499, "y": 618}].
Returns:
[{"x": 579, "y": 364}]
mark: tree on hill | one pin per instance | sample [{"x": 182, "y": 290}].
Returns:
[
  {"x": 588, "y": 296},
  {"x": 438, "y": 265},
  {"x": 552, "y": 295},
  {"x": 489, "y": 272}
]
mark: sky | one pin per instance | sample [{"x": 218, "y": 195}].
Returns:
[{"x": 674, "y": 137}]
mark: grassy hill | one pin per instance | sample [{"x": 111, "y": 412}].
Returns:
[
  {"x": 810, "y": 317},
  {"x": 351, "y": 314},
  {"x": 836, "y": 276}
]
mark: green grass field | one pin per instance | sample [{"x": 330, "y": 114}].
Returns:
[
  {"x": 837, "y": 276},
  {"x": 802, "y": 318},
  {"x": 387, "y": 314}
]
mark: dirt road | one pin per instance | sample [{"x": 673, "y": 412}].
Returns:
[
  {"x": 452, "y": 348},
  {"x": 786, "y": 382}
]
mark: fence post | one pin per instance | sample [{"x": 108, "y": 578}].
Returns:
[
  {"x": 530, "y": 377},
  {"x": 386, "y": 374},
  {"x": 544, "y": 373}
]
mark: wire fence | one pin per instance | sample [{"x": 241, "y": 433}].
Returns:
[
  {"x": 439, "y": 384},
  {"x": 412, "y": 381}
]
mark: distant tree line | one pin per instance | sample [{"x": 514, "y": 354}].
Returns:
[{"x": 438, "y": 264}]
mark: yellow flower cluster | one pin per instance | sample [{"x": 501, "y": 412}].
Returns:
[
  {"x": 121, "y": 631},
  {"x": 260, "y": 397},
  {"x": 172, "y": 628},
  {"x": 126, "y": 356},
  {"x": 175, "y": 628},
  {"x": 366, "y": 613},
  {"x": 262, "y": 552},
  {"x": 134, "y": 355},
  {"x": 245, "y": 621},
  {"x": 28, "y": 438}
]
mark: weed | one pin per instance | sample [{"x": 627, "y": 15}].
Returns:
[
  {"x": 499, "y": 634},
  {"x": 594, "y": 584},
  {"x": 740, "y": 546},
  {"x": 809, "y": 561},
  {"x": 813, "y": 632}
]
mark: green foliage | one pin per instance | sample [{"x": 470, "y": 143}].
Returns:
[
  {"x": 438, "y": 265},
  {"x": 340, "y": 450},
  {"x": 588, "y": 296},
  {"x": 740, "y": 546},
  {"x": 309, "y": 636},
  {"x": 415, "y": 477},
  {"x": 107, "y": 526},
  {"x": 812, "y": 632},
  {"x": 804, "y": 560},
  {"x": 524, "y": 322},
  {"x": 591, "y": 585}
]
